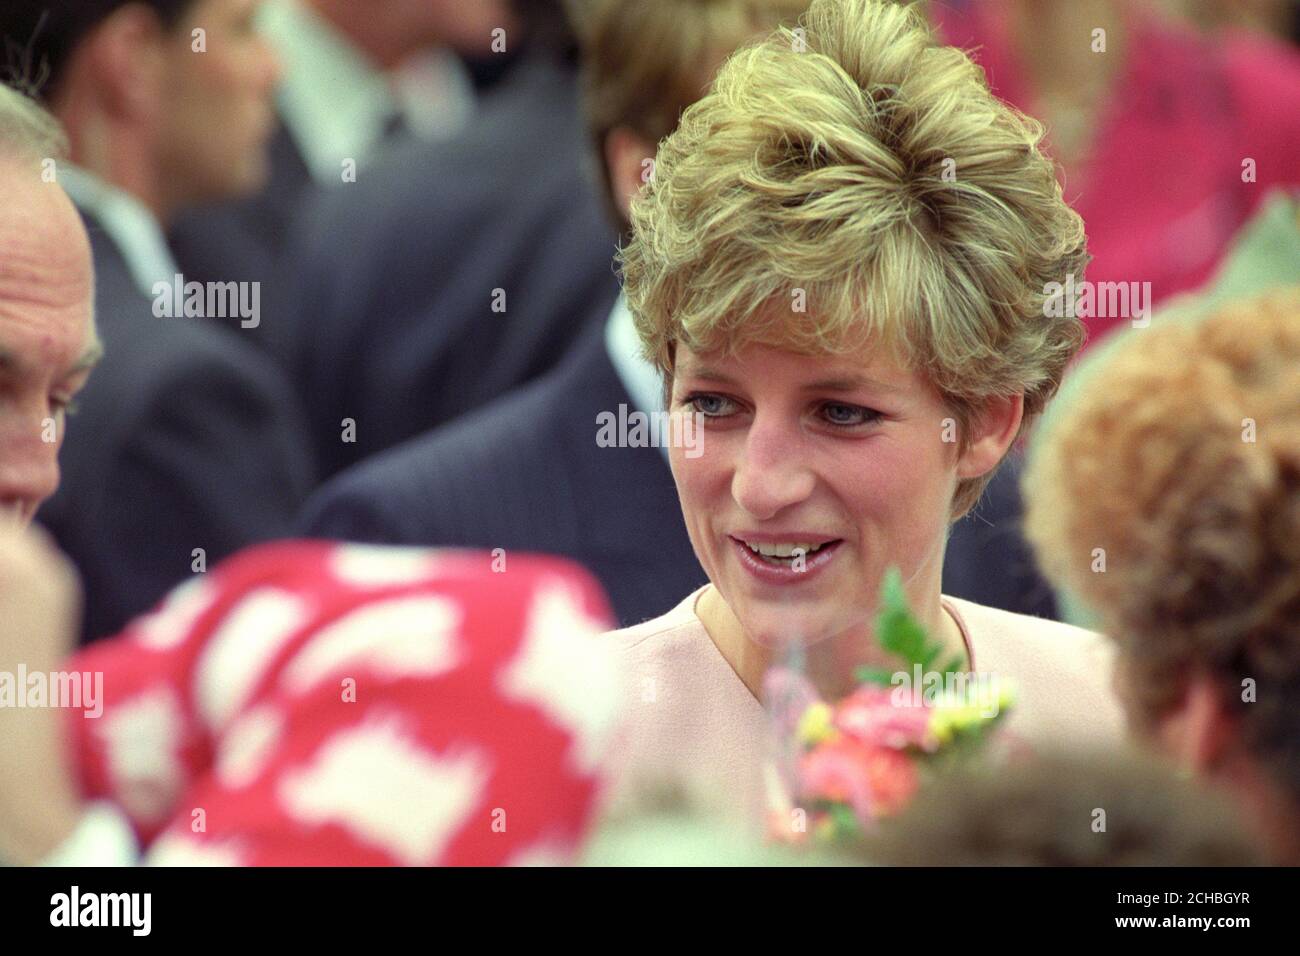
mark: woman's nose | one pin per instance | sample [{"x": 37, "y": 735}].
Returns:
[{"x": 771, "y": 475}]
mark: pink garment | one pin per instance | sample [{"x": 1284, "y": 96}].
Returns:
[
  {"x": 692, "y": 722},
  {"x": 1161, "y": 192}
]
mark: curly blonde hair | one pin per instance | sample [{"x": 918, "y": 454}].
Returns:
[
  {"x": 857, "y": 160},
  {"x": 1167, "y": 499}
]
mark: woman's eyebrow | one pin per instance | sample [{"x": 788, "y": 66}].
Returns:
[
  {"x": 847, "y": 383},
  {"x": 710, "y": 373}
]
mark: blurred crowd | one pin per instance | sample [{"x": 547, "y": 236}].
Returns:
[{"x": 331, "y": 271}]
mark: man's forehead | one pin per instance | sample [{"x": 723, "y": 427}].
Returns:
[
  {"x": 46, "y": 318},
  {"x": 40, "y": 227},
  {"x": 46, "y": 278}
]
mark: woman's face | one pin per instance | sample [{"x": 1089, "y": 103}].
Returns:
[
  {"x": 218, "y": 104},
  {"x": 851, "y": 457}
]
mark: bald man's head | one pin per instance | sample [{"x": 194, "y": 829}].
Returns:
[{"x": 47, "y": 334}]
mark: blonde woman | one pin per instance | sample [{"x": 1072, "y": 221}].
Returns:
[
  {"x": 1179, "y": 466},
  {"x": 839, "y": 267}
]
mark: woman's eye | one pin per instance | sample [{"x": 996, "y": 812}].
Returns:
[
  {"x": 846, "y": 416},
  {"x": 711, "y": 406}
]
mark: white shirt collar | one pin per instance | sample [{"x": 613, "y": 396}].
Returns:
[
  {"x": 334, "y": 102},
  {"x": 640, "y": 378},
  {"x": 128, "y": 222}
]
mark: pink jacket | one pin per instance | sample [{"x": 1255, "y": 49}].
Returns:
[{"x": 692, "y": 723}]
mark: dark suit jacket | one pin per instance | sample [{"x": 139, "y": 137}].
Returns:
[
  {"x": 186, "y": 438},
  {"x": 246, "y": 239},
  {"x": 390, "y": 321},
  {"x": 525, "y": 474}
]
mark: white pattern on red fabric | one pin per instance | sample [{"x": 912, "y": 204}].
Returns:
[
  {"x": 377, "y": 781},
  {"x": 242, "y": 648},
  {"x": 176, "y": 616},
  {"x": 562, "y": 669},
  {"x": 545, "y": 852},
  {"x": 472, "y": 740},
  {"x": 247, "y": 746},
  {"x": 410, "y": 636},
  {"x": 141, "y": 737},
  {"x": 370, "y": 565},
  {"x": 181, "y": 849}
]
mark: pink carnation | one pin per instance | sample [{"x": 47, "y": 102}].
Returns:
[
  {"x": 871, "y": 716},
  {"x": 874, "y": 781}
]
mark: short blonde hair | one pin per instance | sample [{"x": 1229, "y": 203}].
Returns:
[
  {"x": 1179, "y": 467},
  {"x": 857, "y": 159}
]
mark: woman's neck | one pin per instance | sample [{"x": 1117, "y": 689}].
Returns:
[{"x": 830, "y": 664}]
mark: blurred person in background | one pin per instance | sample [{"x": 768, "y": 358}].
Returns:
[
  {"x": 1169, "y": 141},
  {"x": 527, "y": 472},
  {"x": 1277, "y": 18},
  {"x": 356, "y": 78},
  {"x": 1062, "y": 810},
  {"x": 1265, "y": 255},
  {"x": 449, "y": 272},
  {"x": 1053, "y": 809},
  {"x": 1169, "y": 138},
  {"x": 189, "y": 444},
  {"x": 1166, "y": 498}
]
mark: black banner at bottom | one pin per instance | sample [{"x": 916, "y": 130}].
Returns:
[{"x": 334, "y": 906}]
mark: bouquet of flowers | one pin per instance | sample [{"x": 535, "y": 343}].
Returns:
[{"x": 853, "y": 762}]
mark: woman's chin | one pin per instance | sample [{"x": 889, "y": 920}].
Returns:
[{"x": 783, "y": 629}]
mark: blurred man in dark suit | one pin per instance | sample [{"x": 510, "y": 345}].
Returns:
[
  {"x": 188, "y": 443},
  {"x": 450, "y": 273},
  {"x": 526, "y": 473},
  {"x": 356, "y": 77}
]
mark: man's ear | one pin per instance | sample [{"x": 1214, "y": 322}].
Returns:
[
  {"x": 629, "y": 157},
  {"x": 124, "y": 63},
  {"x": 993, "y": 429}
]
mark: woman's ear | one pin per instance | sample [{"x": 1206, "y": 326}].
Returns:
[{"x": 993, "y": 429}]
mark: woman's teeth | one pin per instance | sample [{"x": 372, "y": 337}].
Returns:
[{"x": 784, "y": 551}]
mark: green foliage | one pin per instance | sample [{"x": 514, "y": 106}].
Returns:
[{"x": 901, "y": 634}]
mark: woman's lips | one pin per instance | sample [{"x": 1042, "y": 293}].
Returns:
[{"x": 771, "y": 572}]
